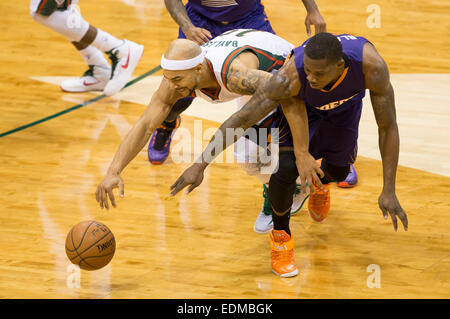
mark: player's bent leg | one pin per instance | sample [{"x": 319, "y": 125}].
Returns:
[
  {"x": 99, "y": 71},
  {"x": 159, "y": 146},
  {"x": 57, "y": 21},
  {"x": 81, "y": 34}
]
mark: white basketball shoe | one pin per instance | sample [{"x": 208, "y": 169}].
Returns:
[
  {"x": 299, "y": 199},
  {"x": 264, "y": 223},
  {"x": 124, "y": 60},
  {"x": 94, "y": 79}
]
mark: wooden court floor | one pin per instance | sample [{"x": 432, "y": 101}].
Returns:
[{"x": 203, "y": 245}]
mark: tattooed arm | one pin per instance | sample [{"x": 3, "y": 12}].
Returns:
[
  {"x": 243, "y": 76},
  {"x": 179, "y": 14},
  {"x": 268, "y": 94},
  {"x": 376, "y": 76}
]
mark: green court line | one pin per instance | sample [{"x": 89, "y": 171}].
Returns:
[{"x": 73, "y": 108}]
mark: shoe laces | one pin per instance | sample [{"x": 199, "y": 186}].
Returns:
[
  {"x": 113, "y": 56},
  {"x": 161, "y": 138},
  {"x": 284, "y": 256},
  {"x": 320, "y": 198}
]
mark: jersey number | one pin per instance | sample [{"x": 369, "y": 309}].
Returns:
[{"x": 239, "y": 32}]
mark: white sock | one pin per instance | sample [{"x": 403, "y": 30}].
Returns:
[
  {"x": 105, "y": 41},
  {"x": 93, "y": 56}
]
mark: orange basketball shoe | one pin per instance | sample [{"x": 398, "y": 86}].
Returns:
[
  {"x": 282, "y": 254},
  {"x": 319, "y": 203}
]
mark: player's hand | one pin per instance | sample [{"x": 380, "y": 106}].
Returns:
[
  {"x": 192, "y": 176},
  {"x": 308, "y": 171},
  {"x": 198, "y": 35},
  {"x": 316, "y": 19},
  {"x": 389, "y": 204},
  {"x": 105, "y": 190}
]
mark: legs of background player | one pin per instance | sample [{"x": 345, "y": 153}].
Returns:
[
  {"x": 159, "y": 146},
  {"x": 99, "y": 72},
  {"x": 91, "y": 42}
]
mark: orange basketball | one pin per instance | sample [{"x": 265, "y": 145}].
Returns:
[{"x": 90, "y": 245}]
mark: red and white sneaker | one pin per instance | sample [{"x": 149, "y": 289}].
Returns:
[
  {"x": 94, "y": 79},
  {"x": 124, "y": 60}
]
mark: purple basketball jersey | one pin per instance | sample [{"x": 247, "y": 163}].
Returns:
[
  {"x": 224, "y": 10},
  {"x": 333, "y": 113}
]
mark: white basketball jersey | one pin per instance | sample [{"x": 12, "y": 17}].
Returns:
[{"x": 270, "y": 49}]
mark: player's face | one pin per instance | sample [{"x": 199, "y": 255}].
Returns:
[
  {"x": 320, "y": 72},
  {"x": 184, "y": 82}
]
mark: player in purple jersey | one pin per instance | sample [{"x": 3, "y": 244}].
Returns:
[
  {"x": 320, "y": 89},
  {"x": 202, "y": 20}
]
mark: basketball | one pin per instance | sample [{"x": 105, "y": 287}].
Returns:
[{"x": 90, "y": 245}]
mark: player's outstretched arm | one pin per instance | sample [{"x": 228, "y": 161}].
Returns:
[
  {"x": 313, "y": 17},
  {"x": 294, "y": 110},
  {"x": 376, "y": 75},
  {"x": 158, "y": 109},
  {"x": 179, "y": 14}
]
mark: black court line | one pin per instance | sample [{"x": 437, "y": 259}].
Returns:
[{"x": 73, "y": 108}]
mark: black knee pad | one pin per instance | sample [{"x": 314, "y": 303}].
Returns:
[
  {"x": 282, "y": 182},
  {"x": 334, "y": 173},
  {"x": 179, "y": 106}
]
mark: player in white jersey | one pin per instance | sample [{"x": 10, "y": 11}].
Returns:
[
  {"x": 63, "y": 16},
  {"x": 229, "y": 67},
  {"x": 269, "y": 50}
]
